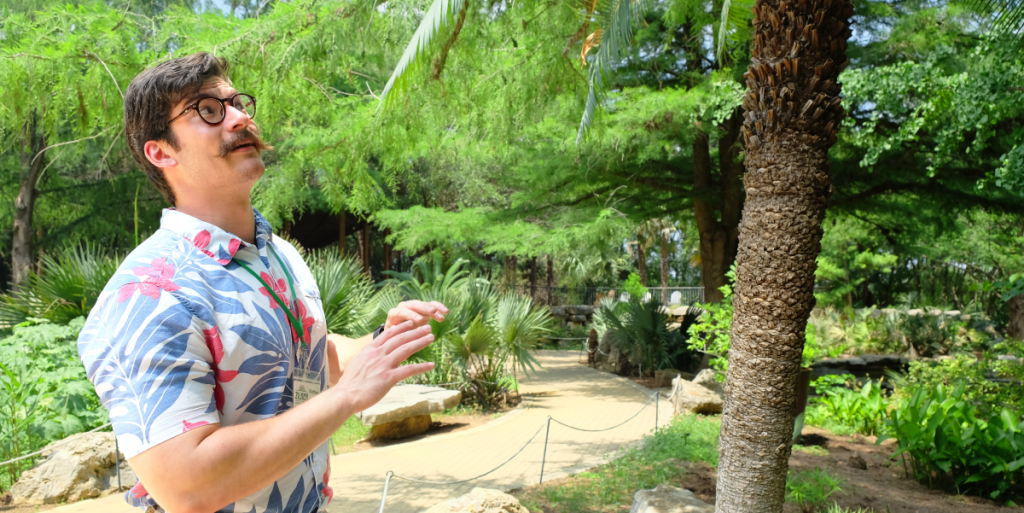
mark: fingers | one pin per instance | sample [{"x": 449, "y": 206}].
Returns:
[
  {"x": 407, "y": 371},
  {"x": 406, "y": 338},
  {"x": 417, "y": 310},
  {"x": 404, "y": 351},
  {"x": 391, "y": 333}
]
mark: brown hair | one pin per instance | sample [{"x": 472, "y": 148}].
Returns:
[{"x": 150, "y": 98}]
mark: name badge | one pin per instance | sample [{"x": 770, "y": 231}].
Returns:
[{"x": 306, "y": 385}]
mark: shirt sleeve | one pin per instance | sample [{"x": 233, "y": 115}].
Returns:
[{"x": 151, "y": 366}]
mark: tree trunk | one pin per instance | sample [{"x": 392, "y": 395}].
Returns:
[
  {"x": 550, "y": 278},
  {"x": 1015, "y": 329},
  {"x": 641, "y": 260},
  {"x": 664, "y": 268},
  {"x": 387, "y": 250},
  {"x": 533, "y": 276},
  {"x": 24, "y": 204},
  {"x": 792, "y": 114},
  {"x": 718, "y": 238},
  {"x": 364, "y": 247},
  {"x": 342, "y": 234}
]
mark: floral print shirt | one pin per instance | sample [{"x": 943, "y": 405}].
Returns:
[{"x": 183, "y": 336}]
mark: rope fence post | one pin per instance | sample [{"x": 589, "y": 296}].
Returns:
[
  {"x": 384, "y": 496},
  {"x": 657, "y": 404},
  {"x": 544, "y": 455},
  {"x": 117, "y": 462}
]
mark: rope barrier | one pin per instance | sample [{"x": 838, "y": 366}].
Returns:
[
  {"x": 463, "y": 480},
  {"x": 613, "y": 427},
  {"x": 51, "y": 446}
]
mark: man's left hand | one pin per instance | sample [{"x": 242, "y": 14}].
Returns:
[{"x": 417, "y": 312}]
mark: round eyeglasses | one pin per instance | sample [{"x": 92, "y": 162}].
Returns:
[{"x": 212, "y": 110}]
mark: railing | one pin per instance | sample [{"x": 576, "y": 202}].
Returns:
[{"x": 593, "y": 295}]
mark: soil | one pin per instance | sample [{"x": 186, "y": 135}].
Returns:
[{"x": 881, "y": 487}]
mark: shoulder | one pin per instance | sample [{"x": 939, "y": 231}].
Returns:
[{"x": 292, "y": 255}]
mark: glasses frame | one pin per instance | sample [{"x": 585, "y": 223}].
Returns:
[{"x": 223, "y": 108}]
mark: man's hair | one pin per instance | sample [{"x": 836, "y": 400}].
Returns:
[{"x": 152, "y": 95}]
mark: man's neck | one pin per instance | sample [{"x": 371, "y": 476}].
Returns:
[{"x": 235, "y": 217}]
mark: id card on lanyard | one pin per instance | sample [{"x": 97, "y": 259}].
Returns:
[{"x": 306, "y": 381}]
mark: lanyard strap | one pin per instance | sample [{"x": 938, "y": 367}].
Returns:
[{"x": 296, "y": 325}]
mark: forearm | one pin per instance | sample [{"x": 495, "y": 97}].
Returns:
[{"x": 233, "y": 462}]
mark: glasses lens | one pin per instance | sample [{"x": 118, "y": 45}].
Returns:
[
  {"x": 246, "y": 104},
  {"x": 211, "y": 110}
]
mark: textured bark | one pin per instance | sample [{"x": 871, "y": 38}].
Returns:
[
  {"x": 442, "y": 57},
  {"x": 24, "y": 204},
  {"x": 550, "y": 277},
  {"x": 664, "y": 268},
  {"x": 718, "y": 237},
  {"x": 641, "y": 259},
  {"x": 364, "y": 248},
  {"x": 1015, "y": 330},
  {"x": 387, "y": 250},
  {"x": 792, "y": 112}
]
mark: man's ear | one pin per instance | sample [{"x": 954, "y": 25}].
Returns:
[{"x": 159, "y": 154}]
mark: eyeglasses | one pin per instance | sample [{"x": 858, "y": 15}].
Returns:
[{"x": 212, "y": 110}]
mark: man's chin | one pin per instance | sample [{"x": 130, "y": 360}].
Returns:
[{"x": 250, "y": 165}]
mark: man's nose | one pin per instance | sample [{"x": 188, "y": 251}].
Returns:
[{"x": 235, "y": 119}]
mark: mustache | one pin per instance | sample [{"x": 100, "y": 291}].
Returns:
[{"x": 244, "y": 136}]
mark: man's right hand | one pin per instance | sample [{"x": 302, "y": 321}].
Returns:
[{"x": 378, "y": 366}]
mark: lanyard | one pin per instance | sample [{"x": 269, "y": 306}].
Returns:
[{"x": 296, "y": 324}]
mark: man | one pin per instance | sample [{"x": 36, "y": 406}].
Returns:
[{"x": 208, "y": 346}]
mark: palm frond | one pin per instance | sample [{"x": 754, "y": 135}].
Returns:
[
  {"x": 344, "y": 290},
  {"x": 619, "y": 19},
  {"x": 1006, "y": 16},
  {"x": 735, "y": 27},
  {"x": 436, "y": 19}
]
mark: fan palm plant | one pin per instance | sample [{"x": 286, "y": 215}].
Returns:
[
  {"x": 67, "y": 286},
  {"x": 344, "y": 289}
]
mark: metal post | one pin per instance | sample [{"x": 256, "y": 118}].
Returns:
[
  {"x": 117, "y": 462},
  {"x": 332, "y": 446},
  {"x": 657, "y": 403},
  {"x": 384, "y": 496},
  {"x": 544, "y": 457}
]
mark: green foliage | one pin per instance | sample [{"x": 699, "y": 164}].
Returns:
[
  {"x": 811, "y": 489},
  {"x": 688, "y": 438},
  {"x": 344, "y": 289},
  {"x": 989, "y": 383},
  {"x": 951, "y": 446},
  {"x": 44, "y": 393},
  {"x": 67, "y": 287},
  {"x": 844, "y": 405},
  {"x": 710, "y": 334},
  {"x": 640, "y": 331},
  {"x": 845, "y": 264},
  {"x": 634, "y": 288}
]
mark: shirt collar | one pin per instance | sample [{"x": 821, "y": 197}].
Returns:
[{"x": 213, "y": 241}]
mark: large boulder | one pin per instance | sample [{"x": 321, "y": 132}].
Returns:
[
  {"x": 668, "y": 499},
  {"x": 80, "y": 467},
  {"x": 693, "y": 398},
  {"x": 480, "y": 500},
  {"x": 706, "y": 379},
  {"x": 406, "y": 409},
  {"x": 664, "y": 377}
]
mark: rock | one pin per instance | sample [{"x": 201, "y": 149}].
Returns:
[
  {"x": 856, "y": 461},
  {"x": 580, "y": 318},
  {"x": 692, "y": 398},
  {"x": 406, "y": 410},
  {"x": 869, "y": 365},
  {"x": 394, "y": 430},
  {"x": 557, "y": 311},
  {"x": 480, "y": 500},
  {"x": 952, "y": 313},
  {"x": 6, "y": 499},
  {"x": 915, "y": 312},
  {"x": 664, "y": 377},
  {"x": 583, "y": 310},
  {"x": 81, "y": 467},
  {"x": 668, "y": 499},
  {"x": 1008, "y": 358},
  {"x": 706, "y": 379},
  {"x": 674, "y": 326}
]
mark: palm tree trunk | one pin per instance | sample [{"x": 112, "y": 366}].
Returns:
[
  {"x": 792, "y": 115},
  {"x": 550, "y": 277},
  {"x": 24, "y": 204},
  {"x": 641, "y": 260},
  {"x": 664, "y": 268},
  {"x": 342, "y": 234}
]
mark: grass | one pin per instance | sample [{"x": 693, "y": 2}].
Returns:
[
  {"x": 811, "y": 449},
  {"x": 689, "y": 437}
]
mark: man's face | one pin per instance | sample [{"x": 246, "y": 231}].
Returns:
[{"x": 226, "y": 154}]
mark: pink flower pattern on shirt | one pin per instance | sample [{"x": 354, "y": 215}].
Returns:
[
  {"x": 154, "y": 278},
  {"x": 280, "y": 288}
]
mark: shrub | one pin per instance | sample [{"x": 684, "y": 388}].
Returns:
[
  {"x": 44, "y": 393},
  {"x": 345, "y": 291},
  {"x": 811, "y": 489},
  {"x": 845, "y": 405},
  {"x": 634, "y": 287},
  {"x": 949, "y": 446},
  {"x": 989, "y": 383},
  {"x": 641, "y": 332}
]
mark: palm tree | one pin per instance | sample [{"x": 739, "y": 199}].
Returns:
[
  {"x": 657, "y": 231},
  {"x": 792, "y": 113}
]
